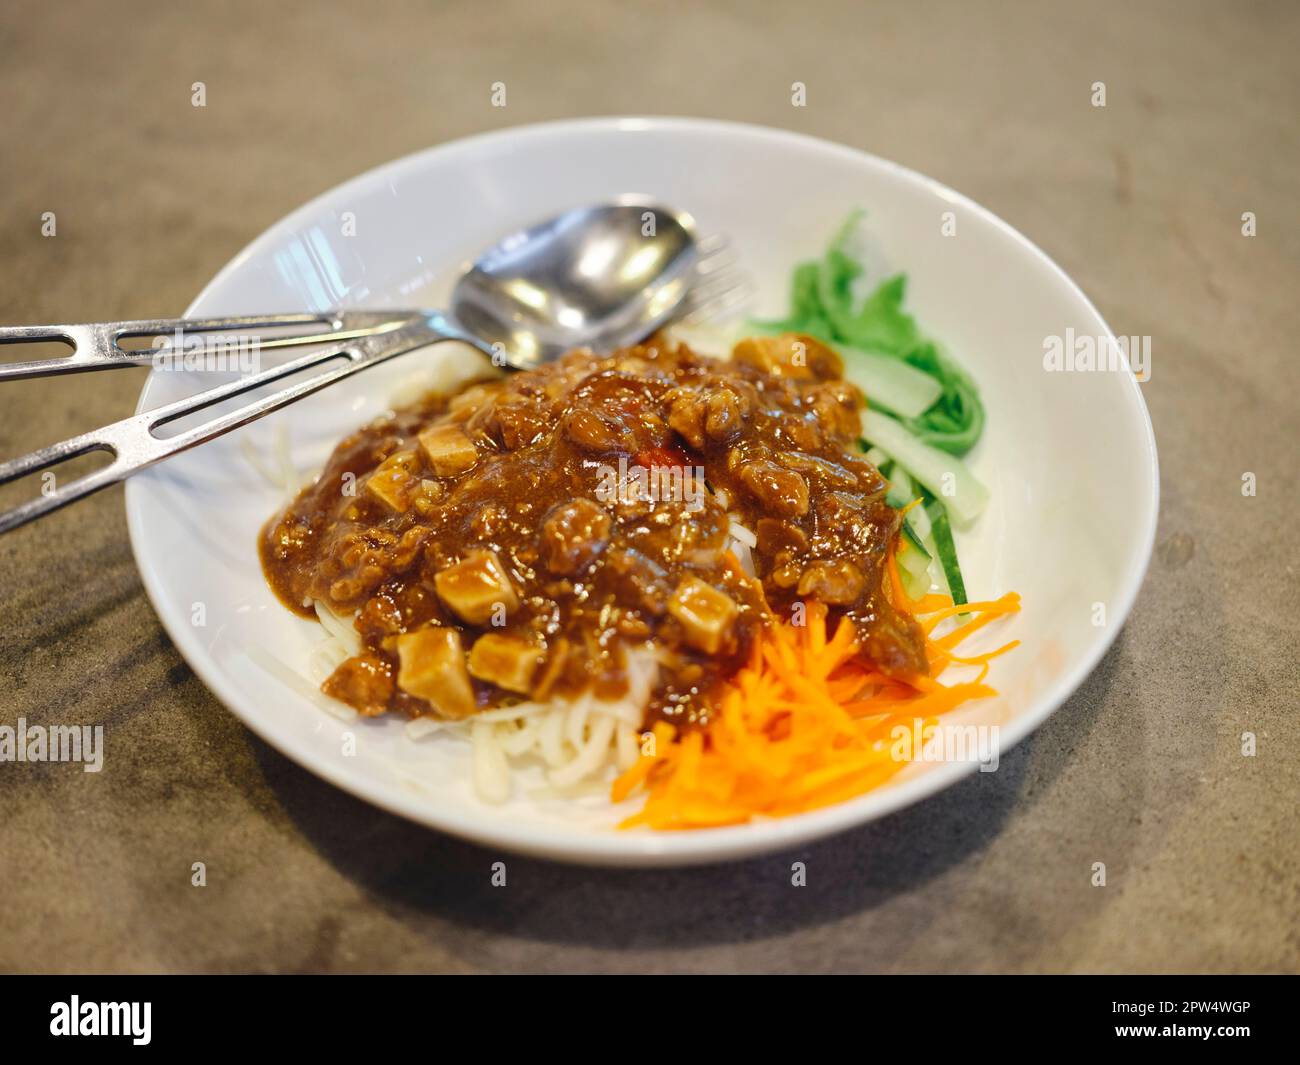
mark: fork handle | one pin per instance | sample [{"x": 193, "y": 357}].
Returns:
[
  {"x": 97, "y": 345},
  {"x": 134, "y": 446}
]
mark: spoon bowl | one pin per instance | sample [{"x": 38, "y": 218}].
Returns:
[{"x": 597, "y": 277}]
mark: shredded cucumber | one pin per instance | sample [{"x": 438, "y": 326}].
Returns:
[
  {"x": 890, "y": 383},
  {"x": 947, "y": 551},
  {"x": 823, "y": 304},
  {"x": 900, "y": 484},
  {"x": 915, "y": 539},
  {"x": 913, "y": 567},
  {"x": 916, "y": 523},
  {"x": 919, "y": 429},
  {"x": 919, "y": 520},
  {"x": 901, "y": 491},
  {"x": 945, "y": 475}
]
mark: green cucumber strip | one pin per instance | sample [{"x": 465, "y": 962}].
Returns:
[
  {"x": 934, "y": 469},
  {"x": 947, "y": 550},
  {"x": 916, "y": 526},
  {"x": 901, "y": 490},
  {"x": 913, "y": 565},
  {"x": 889, "y": 382},
  {"x": 913, "y": 539}
]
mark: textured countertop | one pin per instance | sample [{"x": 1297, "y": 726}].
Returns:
[{"x": 1140, "y": 201}]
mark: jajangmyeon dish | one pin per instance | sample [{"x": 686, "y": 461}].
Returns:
[{"x": 675, "y": 573}]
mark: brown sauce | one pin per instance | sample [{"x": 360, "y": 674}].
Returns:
[{"x": 513, "y": 541}]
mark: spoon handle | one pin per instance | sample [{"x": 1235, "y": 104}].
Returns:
[{"x": 134, "y": 443}]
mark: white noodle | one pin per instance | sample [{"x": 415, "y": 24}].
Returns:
[
  {"x": 491, "y": 770},
  {"x": 739, "y": 542},
  {"x": 628, "y": 748},
  {"x": 419, "y": 727},
  {"x": 739, "y": 532},
  {"x": 582, "y": 741},
  {"x": 592, "y": 755},
  {"x": 343, "y": 629}
]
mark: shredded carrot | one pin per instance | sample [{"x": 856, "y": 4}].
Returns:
[
  {"x": 897, "y": 595},
  {"x": 808, "y": 723}
]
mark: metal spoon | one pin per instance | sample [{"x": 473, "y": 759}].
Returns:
[{"x": 600, "y": 277}]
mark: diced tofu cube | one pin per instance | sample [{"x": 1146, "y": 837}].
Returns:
[
  {"x": 448, "y": 450},
  {"x": 706, "y": 614},
  {"x": 477, "y": 588},
  {"x": 506, "y": 661},
  {"x": 392, "y": 480},
  {"x": 432, "y": 667}
]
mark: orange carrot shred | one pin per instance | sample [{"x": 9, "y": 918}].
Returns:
[{"x": 808, "y": 722}]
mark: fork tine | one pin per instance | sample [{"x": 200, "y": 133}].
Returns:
[
  {"x": 722, "y": 260},
  {"x": 727, "y": 295},
  {"x": 712, "y": 244},
  {"x": 707, "y": 287},
  {"x": 715, "y": 311}
]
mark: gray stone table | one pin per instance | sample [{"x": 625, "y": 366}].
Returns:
[{"x": 1140, "y": 201}]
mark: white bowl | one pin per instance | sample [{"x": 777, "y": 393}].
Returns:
[{"x": 1069, "y": 457}]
